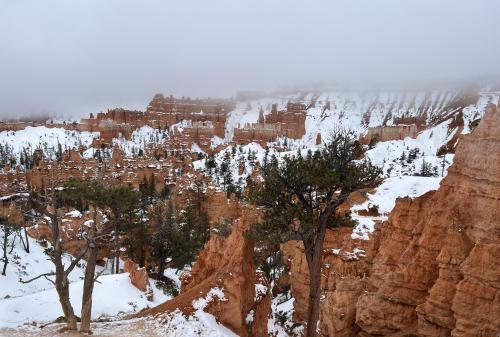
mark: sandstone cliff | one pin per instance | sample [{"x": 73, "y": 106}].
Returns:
[
  {"x": 227, "y": 264},
  {"x": 432, "y": 269},
  {"x": 437, "y": 271}
]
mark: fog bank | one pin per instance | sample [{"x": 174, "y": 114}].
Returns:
[{"x": 75, "y": 57}]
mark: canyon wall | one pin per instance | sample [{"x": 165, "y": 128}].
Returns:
[
  {"x": 386, "y": 133},
  {"x": 432, "y": 269},
  {"x": 437, "y": 271}
]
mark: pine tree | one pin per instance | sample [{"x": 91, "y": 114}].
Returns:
[
  {"x": 210, "y": 163},
  {"x": 299, "y": 199},
  {"x": 59, "y": 154},
  {"x": 427, "y": 170},
  {"x": 266, "y": 156}
]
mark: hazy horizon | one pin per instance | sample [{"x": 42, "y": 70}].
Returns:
[{"x": 73, "y": 58}]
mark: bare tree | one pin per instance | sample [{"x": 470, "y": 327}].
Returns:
[
  {"x": 82, "y": 194},
  {"x": 47, "y": 209},
  {"x": 8, "y": 230}
]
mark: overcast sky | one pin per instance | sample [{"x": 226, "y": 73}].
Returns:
[{"x": 75, "y": 57}]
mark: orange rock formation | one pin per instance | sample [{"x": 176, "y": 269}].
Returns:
[
  {"x": 432, "y": 269},
  {"x": 227, "y": 264}
]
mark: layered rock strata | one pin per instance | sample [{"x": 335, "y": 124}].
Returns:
[{"x": 433, "y": 269}]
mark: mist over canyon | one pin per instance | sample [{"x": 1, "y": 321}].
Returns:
[{"x": 270, "y": 168}]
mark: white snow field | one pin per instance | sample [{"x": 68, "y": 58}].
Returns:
[
  {"x": 38, "y": 301},
  {"x": 45, "y": 138}
]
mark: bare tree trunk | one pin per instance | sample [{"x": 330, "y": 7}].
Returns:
[
  {"x": 314, "y": 258},
  {"x": 117, "y": 262},
  {"x": 88, "y": 288},
  {"x": 61, "y": 282},
  {"x": 5, "y": 244},
  {"x": 27, "y": 244},
  {"x": 116, "y": 258},
  {"x": 89, "y": 280},
  {"x": 161, "y": 269},
  {"x": 314, "y": 296},
  {"x": 62, "y": 288}
]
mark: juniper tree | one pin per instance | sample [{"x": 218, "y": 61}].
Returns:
[
  {"x": 162, "y": 222},
  {"x": 83, "y": 194},
  {"x": 47, "y": 209},
  {"x": 123, "y": 201},
  {"x": 299, "y": 199}
]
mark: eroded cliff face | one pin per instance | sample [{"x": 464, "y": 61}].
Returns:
[
  {"x": 438, "y": 269},
  {"x": 433, "y": 269},
  {"x": 227, "y": 264},
  {"x": 346, "y": 262}
]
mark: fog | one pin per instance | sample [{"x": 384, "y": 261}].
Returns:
[{"x": 75, "y": 57}]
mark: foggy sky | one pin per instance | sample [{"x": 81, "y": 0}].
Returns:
[{"x": 75, "y": 57}]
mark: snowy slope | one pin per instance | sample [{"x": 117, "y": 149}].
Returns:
[
  {"x": 200, "y": 323},
  {"x": 45, "y": 138},
  {"x": 24, "y": 266},
  {"x": 358, "y": 110},
  {"x": 113, "y": 294},
  {"x": 384, "y": 199},
  {"x": 388, "y": 154}
]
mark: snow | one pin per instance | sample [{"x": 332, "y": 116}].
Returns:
[
  {"x": 214, "y": 293},
  {"x": 74, "y": 214},
  {"x": 260, "y": 292},
  {"x": 12, "y": 196},
  {"x": 139, "y": 138},
  {"x": 396, "y": 187},
  {"x": 46, "y": 138},
  {"x": 282, "y": 306},
  {"x": 385, "y": 198},
  {"x": 200, "y": 323},
  {"x": 25, "y": 266},
  {"x": 196, "y": 149},
  {"x": 388, "y": 154},
  {"x": 113, "y": 294},
  {"x": 347, "y": 109},
  {"x": 171, "y": 273},
  {"x": 354, "y": 255},
  {"x": 249, "y": 318}
]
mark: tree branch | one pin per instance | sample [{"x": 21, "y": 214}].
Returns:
[
  {"x": 98, "y": 274},
  {"x": 39, "y": 276},
  {"x": 75, "y": 261},
  {"x": 49, "y": 280}
]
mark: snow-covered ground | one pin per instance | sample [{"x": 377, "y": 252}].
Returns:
[
  {"x": 25, "y": 266},
  {"x": 200, "y": 323},
  {"x": 48, "y": 139},
  {"x": 113, "y": 294},
  {"x": 348, "y": 109},
  {"x": 384, "y": 200},
  {"x": 280, "y": 324},
  {"x": 38, "y": 301},
  {"x": 139, "y": 139}
]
